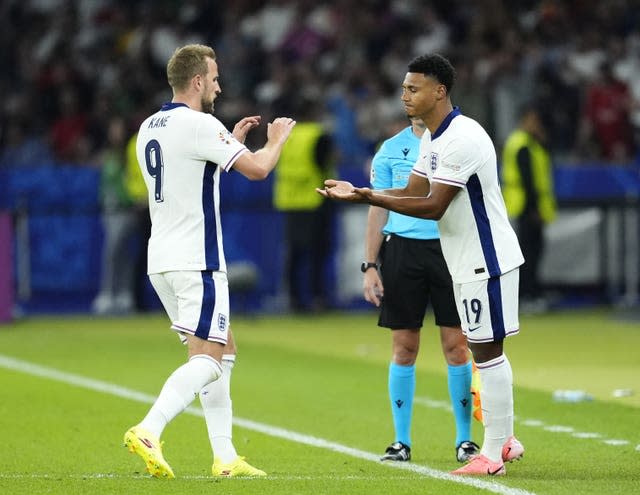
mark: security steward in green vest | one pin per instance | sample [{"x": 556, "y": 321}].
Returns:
[
  {"x": 304, "y": 163},
  {"x": 527, "y": 186}
]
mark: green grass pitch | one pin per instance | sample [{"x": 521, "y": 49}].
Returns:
[{"x": 311, "y": 408}]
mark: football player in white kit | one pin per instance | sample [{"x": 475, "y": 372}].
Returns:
[
  {"x": 181, "y": 150},
  {"x": 455, "y": 181}
]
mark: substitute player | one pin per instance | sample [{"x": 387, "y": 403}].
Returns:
[
  {"x": 413, "y": 273},
  {"x": 181, "y": 150},
  {"x": 455, "y": 181}
]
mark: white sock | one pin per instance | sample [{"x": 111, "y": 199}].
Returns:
[
  {"x": 497, "y": 405},
  {"x": 179, "y": 391},
  {"x": 509, "y": 431},
  {"x": 216, "y": 403}
]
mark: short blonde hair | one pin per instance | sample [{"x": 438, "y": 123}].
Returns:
[{"x": 187, "y": 62}]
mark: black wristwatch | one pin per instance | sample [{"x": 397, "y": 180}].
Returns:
[{"x": 366, "y": 265}]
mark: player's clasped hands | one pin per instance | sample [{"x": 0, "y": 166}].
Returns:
[{"x": 344, "y": 191}]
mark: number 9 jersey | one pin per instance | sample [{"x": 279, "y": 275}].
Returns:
[{"x": 181, "y": 152}]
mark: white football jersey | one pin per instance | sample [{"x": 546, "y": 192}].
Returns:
[
  {"x": 477, "y": 239},
  {"x": 181, "y": 152}
]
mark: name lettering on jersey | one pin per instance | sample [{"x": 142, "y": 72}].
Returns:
[
  {"x": 434, "y": 161},
  {"x": 157, "y": 122}
]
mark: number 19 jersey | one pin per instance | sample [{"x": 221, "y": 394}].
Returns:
[{"x": 181, "y": 152}]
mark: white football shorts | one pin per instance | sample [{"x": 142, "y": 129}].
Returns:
[
  {"x": 197, "y": 303},
  {"x": 488, "y": 308}
]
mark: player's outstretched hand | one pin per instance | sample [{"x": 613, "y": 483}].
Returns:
[
  {"x": 335, "y": 189},
  {"x": 242, "y": 128},
  {"x": 344, "y": 191},
  {"x": 365, "y": 193},
  {"x": 278, "y": 131}
]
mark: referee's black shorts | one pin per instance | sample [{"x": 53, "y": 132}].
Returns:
[{"x": 413, "y": 273}]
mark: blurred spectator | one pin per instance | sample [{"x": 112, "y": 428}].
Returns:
[
  {"x": 119, "y": 223},
  {"x": 559, "y": 99},
  {"x": 625, "y": 58},
  {"x": 470, "y": 94},
  {"x": 605, "y": 119},
  {"x": 270, "y": 24},
  {"x": 304, "y": 164},
  {"x": 433, "y": 36},
  {"x": 23, "y": 148},
  {"x": 509, "y": 92},
  {"x": 78, "y": 60},
  {"x": 137, "y": 191},
  {"x": 69, "y": 138},
  {"x": 527, "y": 186},
  {"x": 588, "y": 55}
]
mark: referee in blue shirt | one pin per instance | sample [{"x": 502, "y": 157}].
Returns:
[{"x": 403, "y": 270}]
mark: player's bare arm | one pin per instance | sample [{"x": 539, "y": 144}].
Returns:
[
  {"x": 344, "y": 191},
  {"x": 416, "y": 186},
  {"x": 432, "y": 206}
]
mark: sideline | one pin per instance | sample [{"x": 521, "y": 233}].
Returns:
[{"x": 274, "y": 431}]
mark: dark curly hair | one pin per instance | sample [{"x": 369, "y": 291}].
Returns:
[{"x": 436, "y": 66}]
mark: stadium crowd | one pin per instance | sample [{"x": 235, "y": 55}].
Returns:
[{"x": 70, "y": 65}]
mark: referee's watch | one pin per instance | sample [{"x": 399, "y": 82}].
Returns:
[{"x": 366, "y": 265}]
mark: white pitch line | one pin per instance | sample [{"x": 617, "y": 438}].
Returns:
[
  {"x": 274, "y": 431},
  {"x": 534, "y": 423},
  {"x": 99, "y": 476}
]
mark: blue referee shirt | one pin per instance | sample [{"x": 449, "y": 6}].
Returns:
[{"x": 390, "y": 169}]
